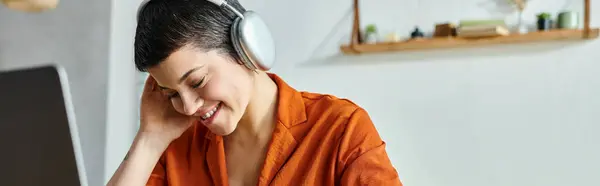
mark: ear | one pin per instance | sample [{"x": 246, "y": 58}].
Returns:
[{"x": 30, "y": 5}]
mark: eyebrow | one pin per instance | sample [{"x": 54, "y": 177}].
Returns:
[{"x": 184, "y": 76}]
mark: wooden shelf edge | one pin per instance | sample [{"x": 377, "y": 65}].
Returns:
[{"x": 455, "y": 42}]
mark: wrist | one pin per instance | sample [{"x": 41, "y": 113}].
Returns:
[{"x": 151, "y": 142}]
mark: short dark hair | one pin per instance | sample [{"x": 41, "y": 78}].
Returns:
[{"x": 164, "y": 26}]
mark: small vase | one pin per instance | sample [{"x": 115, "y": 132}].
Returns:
[
  {"x": 371, "y": 38},
  {"x": 544, "y": 24},
  {"x": 521, "y": 27},
  {"x": 568, "y": 20}
]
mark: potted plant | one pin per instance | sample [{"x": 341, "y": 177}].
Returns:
[
  {"x": 370, "y": 34},
  {"x": 544, "y": 21},
  {"x": 416, "y": 33}
]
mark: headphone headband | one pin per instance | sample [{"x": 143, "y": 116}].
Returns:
[{"x": 218, "y": 2}]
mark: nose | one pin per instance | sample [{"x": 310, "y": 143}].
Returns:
[{"x": 191, "y": 103}]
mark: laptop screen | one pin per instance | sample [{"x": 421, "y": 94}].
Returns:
[{"x": 34, "y": 130}]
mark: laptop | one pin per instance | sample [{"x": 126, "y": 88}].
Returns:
[{"x": 39, "y": 141}]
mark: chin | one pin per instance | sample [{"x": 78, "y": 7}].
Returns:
[{"x": 221, "y": 129}]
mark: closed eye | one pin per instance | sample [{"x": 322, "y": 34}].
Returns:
[
  {"x": 176, "y": 94},
  {"x": 168, "y": 92},
  {"x": 198, "y": 84},
  {"x": 173, "y": 95}
]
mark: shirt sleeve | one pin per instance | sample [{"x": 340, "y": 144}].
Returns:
[
  {"x": 157, "y": 178},
  {"x": 362, "y": 154}
]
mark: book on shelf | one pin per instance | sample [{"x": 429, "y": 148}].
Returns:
[
  {"x": 482, "y": 28},
  {"x": 480, "y": 31},
  {"x": 481, "y": 22}
]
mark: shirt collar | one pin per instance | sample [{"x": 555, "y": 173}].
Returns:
[{"x": 290, "y": 105}]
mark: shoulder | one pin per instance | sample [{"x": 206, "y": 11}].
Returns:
[
  {"x": 325, "y": 112},
  {"x": 342, "y": 122},
  {"x": 326, "y": 106}
]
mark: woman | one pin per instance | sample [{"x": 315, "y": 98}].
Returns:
[{"x": 207, "y": 120}]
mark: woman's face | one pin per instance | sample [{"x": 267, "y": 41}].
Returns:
[{"x": 207, "y": 86}]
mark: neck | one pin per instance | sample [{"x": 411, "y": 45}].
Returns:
[{"x": 257, "y": 123}]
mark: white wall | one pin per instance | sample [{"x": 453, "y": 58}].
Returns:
[
  {"x": 517, "y": 115},
  {"x": 75, "y": 35},
  {"x": 123, "y": 99}
]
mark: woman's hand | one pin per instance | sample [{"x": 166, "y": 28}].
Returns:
[
  {"x": 158, "y": 118},
  {"x": 159, "y": 125}
]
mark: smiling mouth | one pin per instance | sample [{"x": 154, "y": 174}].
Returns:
[{"x": 211, "y": 113}]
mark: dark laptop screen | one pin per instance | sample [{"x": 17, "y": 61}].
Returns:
[{"x": 35, "y": 139}]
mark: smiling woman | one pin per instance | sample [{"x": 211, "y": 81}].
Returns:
[
  {"x": 30, "y": 5},
  {"x": 197, "y": 82},
  {"x": 211, "y": 114}
]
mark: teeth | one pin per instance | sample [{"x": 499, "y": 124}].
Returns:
[{"x": 210, "y": 113}]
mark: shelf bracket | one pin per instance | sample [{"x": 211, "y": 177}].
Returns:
[
  {"x": 586, "y": 19},
  {"x": 356, "y": 36}
]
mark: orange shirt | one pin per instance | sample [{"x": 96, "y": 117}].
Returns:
[{"x": 318, "y": 140}]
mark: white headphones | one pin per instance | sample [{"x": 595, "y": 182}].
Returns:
[{"x": 250, "y": 36}]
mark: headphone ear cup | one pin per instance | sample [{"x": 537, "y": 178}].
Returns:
[
  {"x": 237, "y": 46},
  {"x": 253, "y": 41}
]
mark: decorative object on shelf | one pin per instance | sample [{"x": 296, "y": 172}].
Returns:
[
  {"x": 544, "y": 21},
  {"x": 483, "y": 31},
  {"x": 371, "y": 35},
  {"x": 357, "y": 48},
  {"x": 416, "y": 33},
  {"x": 520, "y": 6},
  {"x": 32, "y": 6},
  {"x": 568, "y": 20},
  {"x": 482, "y": 28},
  {"x": 480, "y": 22},
  {"x": 392, "y": 37},
  {"x": 459, "y": 42},
  {"x": 444, "y": 30}
]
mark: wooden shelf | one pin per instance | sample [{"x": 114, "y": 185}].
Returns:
[
  {"x": 355, "y": 47},
  {"x": 457, "y": 42}
]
